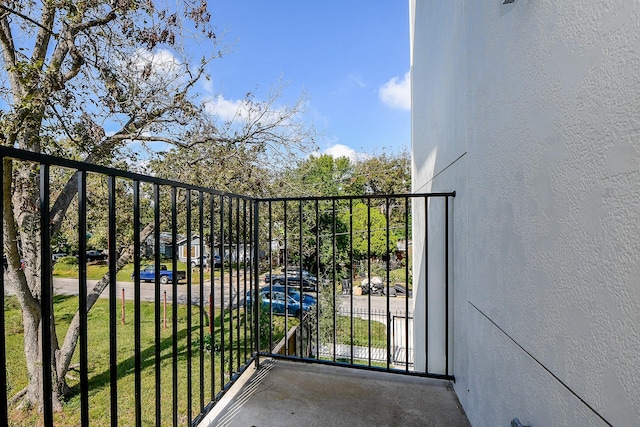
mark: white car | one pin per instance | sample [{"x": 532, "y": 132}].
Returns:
[{"x": 56, "y": 257}]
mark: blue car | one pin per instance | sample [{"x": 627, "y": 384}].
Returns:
[
  {"x": 280, "y": 303},
  {"x": 292, "y": 292}
]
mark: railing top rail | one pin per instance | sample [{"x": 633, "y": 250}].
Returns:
[
  {"x": 20, "y": 154},
  {"x": 359, "y": 197},
  {"x": 25, "y": 155}
]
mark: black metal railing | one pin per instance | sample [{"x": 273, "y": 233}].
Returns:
[
  {"x": 178, "y": 372},
  {"x": 353, "y": 257},
  {"x": 192, "y": 337}
]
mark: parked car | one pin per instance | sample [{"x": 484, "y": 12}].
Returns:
[
  {"x": 57, "y": 256},
  {"x": 6, "y": 263},
  {"x": 195, "y": 262},
  {"x": 95, "y": 255},
  {"x": 295, "y": 271},
  {"x": 148, "y": 274},
  {"x": 281, "y": 303},
  {"x": 292, "y": 278},
  {"x": 292, "y": 292},
  {"x": 217, "y": 261}
]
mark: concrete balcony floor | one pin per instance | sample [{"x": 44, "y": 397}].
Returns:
[{"x": 284, "y": 393}]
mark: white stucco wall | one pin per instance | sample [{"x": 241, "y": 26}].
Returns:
[{"x": 531, "y": 113}]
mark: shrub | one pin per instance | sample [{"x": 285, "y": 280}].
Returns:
[{"x": 68, "y": 260}]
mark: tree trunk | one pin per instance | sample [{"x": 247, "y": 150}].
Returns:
[
  {"x": 22, "y": 233},
  {"x": 73, "y": 333},
  {"x": 33, "y": 352},
  {"x": 22, "y": 242}
]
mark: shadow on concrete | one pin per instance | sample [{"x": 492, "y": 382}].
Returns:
[{"x": 283, "y": 393}]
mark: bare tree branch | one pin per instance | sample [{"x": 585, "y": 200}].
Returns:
[
  {"x": 26, "y": 18},
  {"x": 44, "y": 34}
]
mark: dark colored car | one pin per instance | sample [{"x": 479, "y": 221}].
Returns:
[
  {"x": 95, "y": 255},
  {"x": 292, "y": 278},
  {"x": 217, "y": 261},
  {"x": 294, "y": 271},
  {"x": 292, "y": 292},
  {"x": 281, "y": 303},
  {"x": 55, "y": 257}
]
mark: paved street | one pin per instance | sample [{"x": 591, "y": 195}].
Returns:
[
  {"x": 66, "y": 286},
  {"x": 147, "y": 290},
  {"x": 69, "y": 286}
]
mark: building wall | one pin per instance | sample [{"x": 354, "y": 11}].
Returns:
[{"x": 531, "y": 113}]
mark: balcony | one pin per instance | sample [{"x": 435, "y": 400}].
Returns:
[
  {"x": 327, "y": 283},
  {"x": 285, "y": 393}
]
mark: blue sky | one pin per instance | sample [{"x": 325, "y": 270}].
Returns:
[{"x": 351, "y": 58}]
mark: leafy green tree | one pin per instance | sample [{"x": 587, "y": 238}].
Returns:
[
  {"x": 87, "y": 80},
  {"x": 387, "y": 173},
  {"x": 370, "y": 232},
  {"x": 317, "y": 175},
  {"x": 324, "y": 175}
]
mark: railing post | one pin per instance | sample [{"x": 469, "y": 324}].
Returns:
[
  {"x": 174, "y": 305},
  {"x": 201, "y": 293},
  {"x": 446, "y": 279},
  {"x": 3, "y": 352},
  {"x": 46, "y": 297},
  {"x": 223, "y": 308},
  {"x": 426, "y": 284},
  {"x": 256, "y": 279},
  {"x": 212, "y": 295},
  {"x": 113, "y": 348},
  {"x": 136, "y": 304},
  {"x": 156, "y": 298},
  {"x": 189, "y": 302}
]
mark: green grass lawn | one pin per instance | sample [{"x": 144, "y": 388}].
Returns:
[
  {"x": 360, "y": 332},
  {"x": 99, "y": 368},
  {"x": 237, "y": 335},
  {"x": 359, "y": 336}
]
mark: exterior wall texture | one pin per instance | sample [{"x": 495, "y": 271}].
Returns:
[{"x": 531, "y": 113}]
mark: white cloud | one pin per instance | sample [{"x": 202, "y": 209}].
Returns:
[
  {"x": 396, "y": 93},
  {"x": 162, "y": 62},
  {"x": 246, "y": 110},
  {"x": 227, "y": 109},
  {"x": 340, "y": 150}
]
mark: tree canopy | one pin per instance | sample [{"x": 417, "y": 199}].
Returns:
[
  {"x": 325, "y": 175},
  {"x": 103, "y": 81},
  {"x": 111, "y": 82}
]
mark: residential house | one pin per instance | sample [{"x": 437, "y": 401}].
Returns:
[
  {"x": 166, "y": 248},
  {"x": 193, "y": 247}
]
